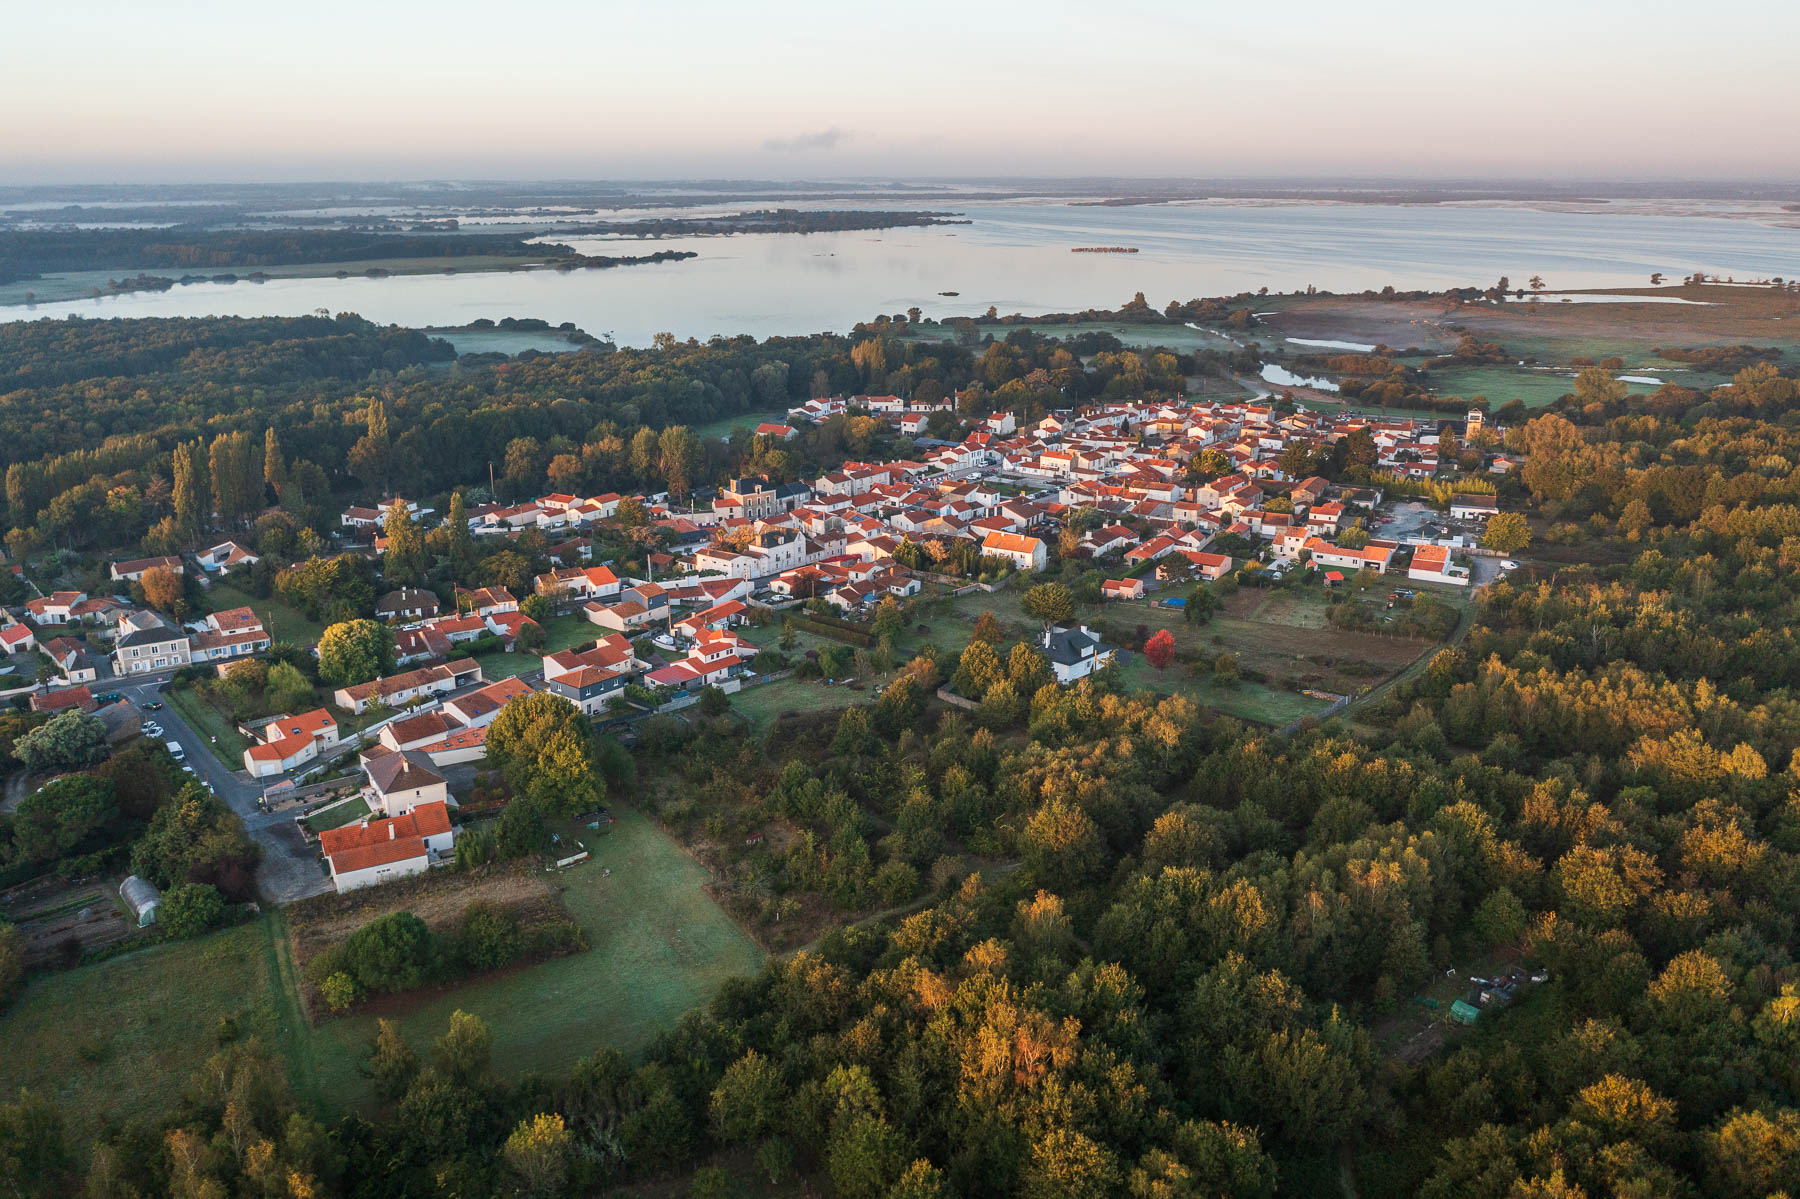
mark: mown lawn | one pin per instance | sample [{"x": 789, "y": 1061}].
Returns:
[
  {"x": 660, "y": 947},
  {"x": 117, "y": 1040},
  {"x": 282, "y": 622},
  {"x": 345, "y": 813},
  {"x": 498, "y": 664},
  {"x": 749, "y": 420}
]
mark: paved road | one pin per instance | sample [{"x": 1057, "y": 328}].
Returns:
[{"x": 290, "y": 868}]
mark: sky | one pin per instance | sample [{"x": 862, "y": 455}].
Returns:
[{"x": 204, "y": 90}]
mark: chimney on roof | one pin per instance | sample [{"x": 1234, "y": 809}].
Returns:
[{"x": 390, "y": 830}]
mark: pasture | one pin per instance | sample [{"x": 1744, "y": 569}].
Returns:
[
  {"x": 117, "y": 1040},
  {"x": 659, "y": 948}
]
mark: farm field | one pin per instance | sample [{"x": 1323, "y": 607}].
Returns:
[
  {"x": 660, "y": 947},
  {"x": 283, "y": 622},
  {"x": 1537, "y": 388},
  {"x": 1557, "y": 332},
  {"x": 51, "y": 914},
  {"x": 118, "y": 1039}
]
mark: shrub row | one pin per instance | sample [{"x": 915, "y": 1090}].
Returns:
[{"x": 399, "y": 952}]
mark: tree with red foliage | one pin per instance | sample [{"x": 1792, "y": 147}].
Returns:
[{"x": 1160, "y": 649}]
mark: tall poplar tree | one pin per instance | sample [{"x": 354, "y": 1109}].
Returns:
[
  {"x": 190, "y": 490},
  {"x": 462, "y": 546},
  {"x": 274, "y": 464},
  {"x": 405, "y": 558}
]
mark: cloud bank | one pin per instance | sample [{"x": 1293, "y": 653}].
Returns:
[{"x": 825, "y": 139}]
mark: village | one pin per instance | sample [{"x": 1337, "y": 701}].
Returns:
[{"x": 364, "y": 787}]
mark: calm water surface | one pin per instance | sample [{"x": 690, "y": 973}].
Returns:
[{"x": 1016, "y": 257}]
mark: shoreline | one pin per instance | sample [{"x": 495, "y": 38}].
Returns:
[{"x": 92, "y": 285}]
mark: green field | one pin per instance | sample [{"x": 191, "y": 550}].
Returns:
[
  {"x": 560, "y": 633},
  {"x": 749, "y": 420},
  {"x": 505, "y": 341},
  {"x": 660, "y": 947},
  {"x": 282, "y": 622},
  {"x": 118, "y": 1039},
  {"x": 229, "y": 744},
  {"x": 763, "y": 705}
]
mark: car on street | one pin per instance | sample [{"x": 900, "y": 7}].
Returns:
[
  {"x": 1509, "y": 565},
  {"x": 153, "y": 705},
  {"x": 152, "y": 729},
  {"x": 175, "y": 750}
]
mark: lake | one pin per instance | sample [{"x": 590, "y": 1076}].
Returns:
[{"x": 1016, "y": 257}]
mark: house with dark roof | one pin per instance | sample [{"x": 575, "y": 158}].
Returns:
[
  {"x": 401, "y": 781},
  {"x": 408, "y": 603},
  {"x": 1075, "y": 651},
  {"x": 146, "y": 645}
]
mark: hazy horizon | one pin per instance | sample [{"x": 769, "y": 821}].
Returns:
[{"x": 1607, "y": 90}]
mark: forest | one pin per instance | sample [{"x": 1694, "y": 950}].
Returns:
[
  {"x": 27, "y": 254},
  {"x": 30, "y": 253}
]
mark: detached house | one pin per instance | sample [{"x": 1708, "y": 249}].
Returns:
[
  {"x": 290, "y": 741},
  {"x": 131, "y": 572},
  {"x": 1075, "y": 651},
  {"x": 55, "y": 607},
  {"x": 376, "y": 851},
  {"x": 18, "y": 639},
  {"x": 1473, "y": 507},
  {"x": 1026, "y": 553},
  {"x": 402, "y": 781},
  {"x": 408, "y": 603},
  {"x": 146, "y": 645},
  {"x": 226, "y": 555},
  {"x": 229, "y": 635}
]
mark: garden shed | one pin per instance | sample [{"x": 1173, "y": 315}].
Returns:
[{"x": 142, "y": 897}]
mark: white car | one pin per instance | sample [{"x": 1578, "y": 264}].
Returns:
[{"x": 1509, "y": 566}]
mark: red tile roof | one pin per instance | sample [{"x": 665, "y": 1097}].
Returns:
[{"x": 382, "y": 842}]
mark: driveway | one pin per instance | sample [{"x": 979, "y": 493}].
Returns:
[{"x": 290, "y": 868}]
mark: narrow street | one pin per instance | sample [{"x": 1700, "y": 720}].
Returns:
[{"x": 290, "y": 868}]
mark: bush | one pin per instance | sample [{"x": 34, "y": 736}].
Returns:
[
  {"x": 192, "y": 909},
  {"x": 340, "y": 992},
  {"x": 552, "y": 938},
  {"x": 488, "y": 938},
  {"x": 393, "y": 953}
]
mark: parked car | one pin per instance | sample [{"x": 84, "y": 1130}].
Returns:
[
  {"x": 109, "y": 697},
  {"x": 1509, "y": 565},
  {"x": 175, "y": 750},
  {"x": 152, "y": 729}
]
